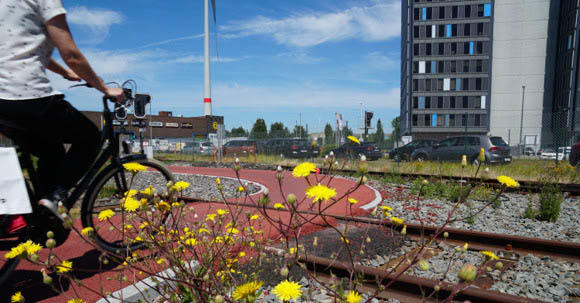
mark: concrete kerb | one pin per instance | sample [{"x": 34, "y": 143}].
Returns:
[
  {"x": 261, "y": 186},
  {"x": 375, "y": 202}
]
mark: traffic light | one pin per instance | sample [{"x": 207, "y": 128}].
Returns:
[{"x": 368, "y": 118}]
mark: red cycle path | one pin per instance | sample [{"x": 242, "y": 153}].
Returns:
[{"x": 28, "y": 279}]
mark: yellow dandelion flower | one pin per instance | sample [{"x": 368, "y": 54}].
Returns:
[
  {"x": 218, "y": 181},
  {"x": 240, "y": 188},
  {"x": 180, "y": 186},
  {"x": 387, "y": 208},
  {"x": 287, "y": 290},
  {"x": 134, "y": 167},
  {"x": 131, "y": 204},
  {"x": 278, "y": 206},
  {"x": 65, "y": 266},
  {"x": 17, "y": 297},
  {"x": 397, "y": 220},
  {"x": 233, "y": 230},
  {"x": 353, "y": 297},
  {"x": 210, "y": 217},
  {"x": 131, "y": 193},
  {"x": 159, "y": 261},
  {"x": 203, "y": 230},
  {"x": 489, "y": 255},
  {"x": 87, "y": 231},
  {"x": 353, "y": 139},
  {"x": 352, "y": 201},
  {"x": 106, "y": 214},
  {"x": 507, "y": 181},
  {"x": 191, "y": 241},
  {"x": 143, "y": 225},
  {"x": 75, "y": 301},
  {"x": 243, "y": 291},
  {"x": 303, "y": 169},
  {"x": 344, "y": 240},
  {"x": 163, "y": 206},
  {"x": 254, "y": 217},
  {"x": 320, "y": 193},
  {"x": 241, "y": 254},
  {"x": 222, "y": 212},
  {"x": 148, "y": 191}
]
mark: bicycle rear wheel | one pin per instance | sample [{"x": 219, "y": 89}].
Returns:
[{"x": 117, "y": 233}]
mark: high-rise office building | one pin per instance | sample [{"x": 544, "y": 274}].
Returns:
[
  {"x": 502, "y": 68},
  {"x": 446, "y": 67}
]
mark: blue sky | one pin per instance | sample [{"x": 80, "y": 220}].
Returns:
[{"x": 275, "y": 60}]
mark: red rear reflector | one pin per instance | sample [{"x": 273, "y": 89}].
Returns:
[
  {"x": 495, "y": 148},
  {"x": 369, "y": 148},
  {"x": 294, "y": 147}
]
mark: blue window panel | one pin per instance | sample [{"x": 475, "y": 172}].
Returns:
[
  {"x": 421, "y": 102},
  {"x": 447, "y": 120},
  {"x": 434, "y": 120},
  {"x": 433, "y": 67},
  {"x": 471, "y": 48},
  {"x": 448, "y": 30},
  {"x": 487, "y": 10},
  {"x": 424, "y": 13},
  {"x": 458, "y": 82}
]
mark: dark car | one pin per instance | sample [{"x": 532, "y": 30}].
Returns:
[
  {"x": 404, "y": 152},
  {"x": 369, "y": 149},
  {"x": 291, "y": 148},
  {"x": 453, "y": 148},
  {"x": 239, "y": 148},
  {"x": 575, "y": 154}
]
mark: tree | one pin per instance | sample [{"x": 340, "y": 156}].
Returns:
[
  {"x": 346, "y": 131},
  {"x": 379, "y": 137},
  {"x": 238, "y": 132},
  {"x": 328, "y": 134},
  {"x": 300, "y": 132},
  {"x": 259, "y": 130},
  {"x": 396, "y": 134},
  {"x": 277, "y": 130}
]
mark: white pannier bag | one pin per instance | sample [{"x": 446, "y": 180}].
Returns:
[{"x": 13, "y": 194}]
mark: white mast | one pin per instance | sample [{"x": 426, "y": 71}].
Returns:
[{"x": 206, "y": 73}]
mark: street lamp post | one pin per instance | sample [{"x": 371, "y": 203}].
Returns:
[{"x": 522, "y": 119}]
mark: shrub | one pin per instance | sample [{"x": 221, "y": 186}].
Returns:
[
  {"x": 550, "y": 200},
  {"x": 326, "y": 148}
]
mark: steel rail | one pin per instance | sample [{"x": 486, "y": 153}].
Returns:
[{"x": 477, "y": 240}]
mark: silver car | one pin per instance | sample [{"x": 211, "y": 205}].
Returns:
[{"x": 197, "y": 147}]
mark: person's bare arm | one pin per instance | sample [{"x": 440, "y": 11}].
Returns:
[
  {"x": 64, "y": 72},
  {"x": 59, "y": 33}
]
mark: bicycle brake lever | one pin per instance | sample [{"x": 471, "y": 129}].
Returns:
[{"x": 82, "y": 84}]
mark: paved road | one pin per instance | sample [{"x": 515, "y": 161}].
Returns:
[{"x": 28, "y": 279}]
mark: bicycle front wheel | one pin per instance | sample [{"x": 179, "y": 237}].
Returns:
[{"x": 118, "y": 233}]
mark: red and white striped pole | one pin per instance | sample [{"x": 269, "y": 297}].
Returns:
[{"x": 206, "y": 72}]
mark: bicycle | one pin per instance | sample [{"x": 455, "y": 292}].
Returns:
[{"x": 104, "y": 185}]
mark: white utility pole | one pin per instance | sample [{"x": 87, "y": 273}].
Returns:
[{"x": 206, "y": 73}]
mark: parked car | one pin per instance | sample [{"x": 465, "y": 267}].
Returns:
[
  {"x": 369, "y": 149},
  {"x": 292, "y": 148},
  {"x": 528, "y": 151},
  {"x": 239, "y": 148},
  {"x": 551, "y": 154},
  {"x": 197, "y": 147},
  {"x": 404, "y": 152},
  {"x": 575, "y": 154},
  {"x": 453, "y": 148}
]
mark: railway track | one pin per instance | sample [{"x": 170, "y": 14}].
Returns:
[{"x": 410, "y": 288}]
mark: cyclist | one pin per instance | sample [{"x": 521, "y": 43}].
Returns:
[{"x": 32, "y": 113}]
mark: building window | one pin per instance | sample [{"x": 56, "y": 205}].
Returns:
[
  {"x": 429, "y": 13},
  {"x": 433, "y": 67},
  {"x": 453, "y": 65},
  {"x": 467, "y": 11},
  {"x": 483, "y": 102},
  {"x": 452, "y": 102},
  {"x": 424, "y": 14},
  {"x": 415, "y": 67},
  {"x": 448, "y": 29},
  {"x": 416, "y": 13},
  {"x": 569, "y": 41},
  {"x": 440, "y": 67},
  {"x": 452, "y": 120},
  {"x": 479, "y": 29},
  {"x": 421, "y": 102},
  {"x": 465, "y": 83},
  {"x": 441, "y": 32},
  {"x": 421, "y": 67},
  {"x": 480, "y": 10},
  {"x": 471, "y": 47},
  {"x": 442, "y": 12},
  {"x": 441, "y": 49},
  {"x": 466, "y": 66},
  {"x": 477, "y": 83},
  {"x": 427, "y": 120},
  {"x": 415, "y": 120},
  {"x": 415, "y": 85},
  {"x": 439, "y": 84},
  {"x": 458, "y": 83},
  {"x": 416, "y": 49},
  {"x": 439, "y": 102},
  {"x": 428, "y": 85},
  {"x": 487, "y": 10},
  {"x": 446, "y": 84},
  {"x": 434, "y": 120},
  {"x": 453, "y": 83},
  {"x": 454, "y": 30},
  {"x": 453, "y": 48},
  {"x": 478, "y": 66},
  {"x": 415, "y": 102},
  {"x": 427, "y": 102},
  {"x": 428, "y": 49},
  {"x": 416, "y": 32},
  {"x": 479, "y": 47},
  {"x": 447, "y": 120},
  {"x": 467, "y": 29},
  {"x": 477, "y": 120},
  {"x": 454, "y": 11}
]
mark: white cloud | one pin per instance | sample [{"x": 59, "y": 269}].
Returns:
[
  {"x": 300, "y": 57},
  {"x": 377, "y": 22},
  {"x": 172, "y": 40},
  {"x": 378, "y": 60},
  {"x": 96, "y": 22}
]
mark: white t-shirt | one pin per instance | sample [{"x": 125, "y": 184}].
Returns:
[{"x": 25, "y": 48}]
